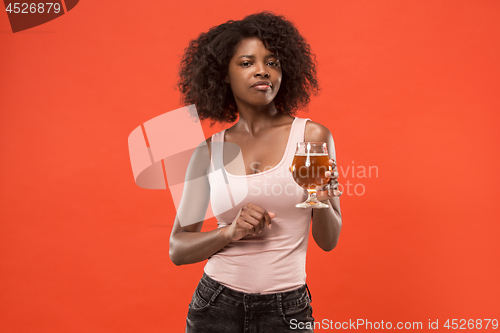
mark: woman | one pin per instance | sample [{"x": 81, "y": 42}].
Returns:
[{"x": 258, "y": 70}]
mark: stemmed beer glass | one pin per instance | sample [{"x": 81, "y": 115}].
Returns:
[{"x": 308, "y": 169}]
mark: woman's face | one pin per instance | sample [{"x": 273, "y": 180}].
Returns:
[{"x": 254, "y": 73}]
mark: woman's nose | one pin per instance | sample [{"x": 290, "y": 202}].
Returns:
[{"x": 261, "y": 70}]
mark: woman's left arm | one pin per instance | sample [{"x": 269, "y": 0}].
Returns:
[{"x": 326, "y": 222}]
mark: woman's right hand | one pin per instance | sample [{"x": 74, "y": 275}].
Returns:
[{"x": 250, "y": 221}]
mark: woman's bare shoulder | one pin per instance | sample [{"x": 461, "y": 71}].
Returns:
[
  {"x": 315, "y": 132},
  {"x": 200, "y": 158}
]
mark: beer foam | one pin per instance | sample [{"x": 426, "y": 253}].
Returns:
[{"x": 312, "y": 154}]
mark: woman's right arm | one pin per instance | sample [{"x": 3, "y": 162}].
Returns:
[{"x": 187, "y": 244}]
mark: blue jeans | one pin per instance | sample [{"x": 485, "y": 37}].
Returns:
[{"x": 219, "y": 309}]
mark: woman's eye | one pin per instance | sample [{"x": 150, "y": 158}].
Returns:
[
  {"x": 245, "y": 64},
  {"x": 273, "y": 63}
]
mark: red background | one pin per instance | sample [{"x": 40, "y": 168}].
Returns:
[{"x": 410, "y": 87}]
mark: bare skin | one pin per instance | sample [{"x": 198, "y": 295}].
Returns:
[{"x": 259, "y": 123}]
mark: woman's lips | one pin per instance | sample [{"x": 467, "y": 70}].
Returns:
[{"x": 262, "y": 87}]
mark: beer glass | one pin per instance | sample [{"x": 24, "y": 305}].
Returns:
[{"x": 308, "y": 169}]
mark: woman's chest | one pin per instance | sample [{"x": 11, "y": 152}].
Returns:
[{"x": 258, "y": 153}]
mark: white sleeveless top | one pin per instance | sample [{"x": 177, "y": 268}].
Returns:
[{"x": 274, "y": 260}]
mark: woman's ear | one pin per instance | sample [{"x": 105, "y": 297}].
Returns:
[{"x": 226, "y": 79}]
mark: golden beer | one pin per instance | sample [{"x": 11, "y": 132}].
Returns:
[{"x": 308, "y": 170}]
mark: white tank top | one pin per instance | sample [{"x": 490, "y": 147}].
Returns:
[{"x": 274, "y": 260}]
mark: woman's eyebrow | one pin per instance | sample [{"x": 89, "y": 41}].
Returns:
[
  {"x": 252, "y": 56},
  {"x": 246, "y": 56}
]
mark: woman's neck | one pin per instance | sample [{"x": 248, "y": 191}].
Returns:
[{"x": 255, "y": 119}]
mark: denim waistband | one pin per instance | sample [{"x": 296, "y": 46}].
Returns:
[{"x": 288, "y": 298}]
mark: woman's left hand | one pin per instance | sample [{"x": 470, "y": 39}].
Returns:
[{"x": 330, "y": 190}]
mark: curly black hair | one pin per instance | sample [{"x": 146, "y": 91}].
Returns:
[{"x": 205, "y": 63}]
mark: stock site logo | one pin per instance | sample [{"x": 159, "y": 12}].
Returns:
[
  {"x": 29, "y": 14},
  {"x": 162, "y": 148}
]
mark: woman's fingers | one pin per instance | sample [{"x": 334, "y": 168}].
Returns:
[
  {"x": 271, "y": 216},
  {"x": 250, "y": 220},
  {"x": 257, "y": 216},
  {"x": 331, "y": 189},
  {"x": 332, "y": 174}
]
